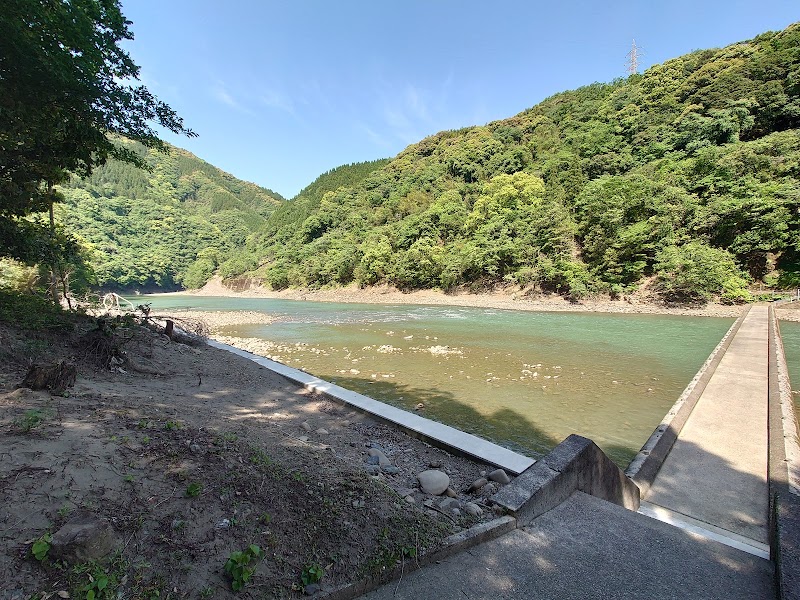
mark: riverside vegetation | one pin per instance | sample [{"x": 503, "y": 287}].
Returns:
[
  {"x": 204, "y": 475},
  {"x": 683, "y": 179}
]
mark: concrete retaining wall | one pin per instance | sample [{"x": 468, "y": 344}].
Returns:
[
  {"x": 784, "y": 470},
  {"x": 576, "y": 464}
]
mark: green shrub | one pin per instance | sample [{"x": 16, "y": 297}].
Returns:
[
  {"x": 695, "y": 273},
  {"x": 30, "y": 311},
  {"x": 241, "y": 565}
]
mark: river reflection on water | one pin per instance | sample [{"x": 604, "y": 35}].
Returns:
[{"x": 525, "y": 380}]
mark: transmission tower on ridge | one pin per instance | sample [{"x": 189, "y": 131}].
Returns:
[{"x": 633, "y": 58}]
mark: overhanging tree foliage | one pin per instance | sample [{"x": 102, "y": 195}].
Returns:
[{"x": 66, "y": 88}]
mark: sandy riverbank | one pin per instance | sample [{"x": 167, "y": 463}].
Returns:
[
  {"x": 508, "y": 298},
  {"x": 191, "y": 453}
]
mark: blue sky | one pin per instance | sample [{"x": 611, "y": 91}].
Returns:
[{"x": 280, "y": 92}]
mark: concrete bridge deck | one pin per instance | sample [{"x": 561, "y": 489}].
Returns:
[{"x": 715, "y": 475}]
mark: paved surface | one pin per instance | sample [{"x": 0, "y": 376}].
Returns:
[
  {"x": 716, "y": 472},
  {"x": 591, "y": 549}
]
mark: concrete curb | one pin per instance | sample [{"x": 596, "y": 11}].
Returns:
[
  {"x": 784, "y": 470},
  {"x": 446, "y": 437},
  {"x": 454, "y": 544},
  {"x": 576, "y": 464},
  {"x": 645, "y": 465}
]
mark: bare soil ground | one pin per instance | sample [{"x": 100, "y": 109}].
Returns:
[
  {"x": 195, "y": 455},
  {"x": 789, "y": 311}
]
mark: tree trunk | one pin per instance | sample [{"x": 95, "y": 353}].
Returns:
[
  {"x": 53, "y": 260},
  {"x": 57, "y": 276}
]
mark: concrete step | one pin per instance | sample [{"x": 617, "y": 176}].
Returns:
[{"x": 589, "y": 548}]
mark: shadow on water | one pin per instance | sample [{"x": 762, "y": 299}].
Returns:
[{"x": 505, "y": 426}]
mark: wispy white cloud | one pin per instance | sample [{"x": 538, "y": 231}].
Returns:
[
  {"x": 220, "y": 92},
  {"x": 407, "y": 112},
  {"x": 377, "y": 138},
  {"x": 278, "y": 100}
]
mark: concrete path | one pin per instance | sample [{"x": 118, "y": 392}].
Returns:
[
  {"x": 591, "y": 549},
  {"x": 716, "y": 472}
]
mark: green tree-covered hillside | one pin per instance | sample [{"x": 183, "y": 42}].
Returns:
[
  {"x": 170, "y": 227},
  {"x": 685, "y": 176}
]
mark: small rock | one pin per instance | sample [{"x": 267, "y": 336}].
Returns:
[
  {"x": 194, "y": 448},
  {"x": 449, "y": 503},
  {"x": 391, "y": 470},
  {"x": 410, "y": 499},
  {"x": 322, "y": 431},
  {"x": 456, "y": 512},
  {"x": 483, "y": 473},
  {"x": 303, "y": 438},
  {"x": 500, "y": 476},
  {"x": 419, "y": 406},
  {"x": 224, "y": 524},
  {"x": 435, "y": 464},
  {"x": 84, "y": 537},
  {"x": 305, "y": 426},
  {"x": 473, "y": 509},
  {"x": 383, "y": 460},
  {"x": 433, "y": 482},
  {"x": 477, "y": 484},
  {"x": 311, "y": 589},
  {"x": 451, "y": 493}
]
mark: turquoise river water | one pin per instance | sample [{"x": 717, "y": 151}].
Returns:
[
  {"x": 790, "y": 334},
  {"x": 525, "y": 380}
]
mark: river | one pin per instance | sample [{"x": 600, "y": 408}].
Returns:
[
  {"x": 790, "y": 334},
  {"x": 525, "y": 380}
]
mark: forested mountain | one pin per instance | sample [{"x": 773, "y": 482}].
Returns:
[
  {"x": 308, "y": 200},
  {"x": 170, "y": 227},
  {"x": 685, "y": 176}
]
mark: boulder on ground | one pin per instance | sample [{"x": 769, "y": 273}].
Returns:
[
  {"x": 84, "y": 537},
  {"x": 500, "y": 476},
  {"x": 433, "y": 481}
]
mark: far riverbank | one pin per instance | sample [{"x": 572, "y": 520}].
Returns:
[{"x": 508, "y": 299}]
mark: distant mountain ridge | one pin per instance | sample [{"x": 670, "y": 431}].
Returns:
[
  {"x": 683, "y": 179},
  {"x": 167, "y": 228}
]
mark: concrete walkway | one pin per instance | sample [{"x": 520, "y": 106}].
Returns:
[
  {"x": 590, "y": 549},
  {"x": 716, "y": 473}
]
